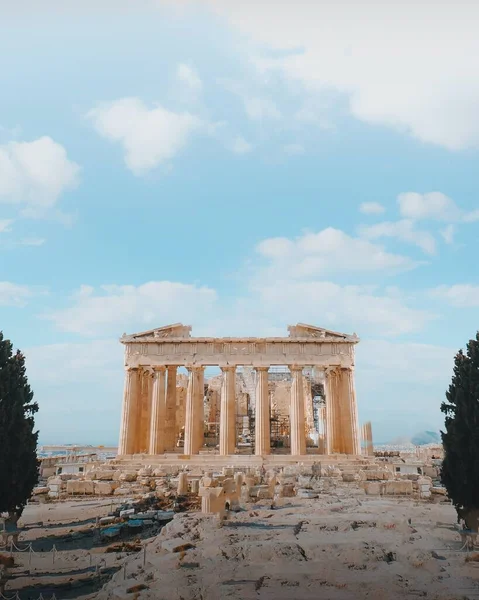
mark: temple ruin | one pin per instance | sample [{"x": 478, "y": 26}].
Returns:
[{"x": 293, "y": 395}]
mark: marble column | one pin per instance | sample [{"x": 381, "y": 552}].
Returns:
[
  {"x": 323, "y": 426},
  {"x": 158, "y": 412},
  {"x": 342, "y": 435},
  {"x": 200, "y": 407},
  {"x": 367, "y": 436},
  {"x": 129, "y": 414},
  {"x": 352, "y": 441},
  {"x": 194, "y": 418},
  {"x": 170, "y": 409},
  {"x": 262, "y": 413},
  {"x": 332, "y": 410},
  {"x": 296, "y": 419},
  {"x": 228, "y": 412}
]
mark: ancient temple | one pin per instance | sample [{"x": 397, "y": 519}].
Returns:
[{"x": 155, "y": 420}]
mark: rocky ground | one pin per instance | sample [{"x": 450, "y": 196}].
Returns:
[
  {"x": 338, "y": 546},
  {"x": 341, "y": 544}
]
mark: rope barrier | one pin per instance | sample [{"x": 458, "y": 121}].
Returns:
[{"x": 16, "y": 596}]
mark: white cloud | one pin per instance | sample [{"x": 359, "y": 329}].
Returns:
[
  {"x": 329, "y": 251},
  {"x": 371, "y": 208},
  {"x": 435, "y": 206},
  {"x": 294, "y": 279},
  {"x": 115, "y": 307},
  {"x": 189, "y": 76},
  {"x": 405, "y": 68},
  {"x": 448, "y": 233},
  {"x": 259, "y": 109},
  {"x": 150, "y": 137},
  {"x": 5, "y": 225},
  {"x": 35, "y": 174},
  {"x": 464, "y": 295},
  {"x": 293, "y": 149},
  {"x": 345, "y": 307},
  {"x": 241, "y": 146},
  {"x": 12, "y": 294},
  {"x": 403, "y": 230}
]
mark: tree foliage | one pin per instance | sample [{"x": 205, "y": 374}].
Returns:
[
  {"x": 18, "y": 440},
  {"x": 460, "y": 468}
]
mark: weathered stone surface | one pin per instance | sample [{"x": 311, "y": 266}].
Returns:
[
  {"x": 182, "y": 488},
  {"x": 105, "y": 488},
  {"x": 104, "y": 475},
  {"x": 80, "y": 487},
  {"x": 393, "y": 488},
  {"x": 304, "y": 493},
  {"x": 176, "y": 545},
  {"x": 286, "y": 490},
  {"x": 371, "y": 488},
  {"x": 128, "y": 476}
]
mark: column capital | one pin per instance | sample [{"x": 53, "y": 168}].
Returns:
[
  {"x": 296, "y": 368},
  {"x": 128, "y": 369},
  {"x": 261, "y": 369},
  {"x": 332, "y": 369},
  {"x": 159, "y": 368},
  {"x": 171, "y": 367},
  {"x": 193, "y": 368},
  {"x": 227, "y": 368}
]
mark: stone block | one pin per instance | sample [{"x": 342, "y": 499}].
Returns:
[
  {"x": 208, "y": 482},
  {"x": 397, "y": 488},
  {"x": 104, "y": 488},
  {"x": 104, "y": 475},
  {"x": 80, "y": 487},
  {"x": 286, "y": 490},
  {"x": 264, "y": 493},
  {"x": 371, "y": 488},
  {"x": 54, "y": 481},
  {"x": 128, "y": 476},
  {"x": 145, "y": 472},
  {"x": 304, "y": 493}
]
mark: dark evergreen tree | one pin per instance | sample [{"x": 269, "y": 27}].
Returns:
[
  {"x": 18, "y": 440},
  {"x": 460, "y": 468}
]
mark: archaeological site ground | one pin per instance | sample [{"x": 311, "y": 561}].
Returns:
[{"x": 254, "y": 482}]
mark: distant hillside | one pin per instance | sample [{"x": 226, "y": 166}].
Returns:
[
  {"x": 426, "y": 437},
  {"x": 418, "y": 439}
]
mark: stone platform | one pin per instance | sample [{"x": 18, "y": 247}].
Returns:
[{"x": 239, "y": 461}]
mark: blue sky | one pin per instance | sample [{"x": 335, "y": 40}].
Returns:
[{"x": 238, "y": 167}]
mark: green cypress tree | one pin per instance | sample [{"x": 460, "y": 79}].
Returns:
[
  {"x": 460, "y": 468},
  {"x": 18, "y": 440}
]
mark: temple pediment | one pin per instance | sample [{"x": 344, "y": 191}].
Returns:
[
  {"x": 302, "y": 330},
  {"x": 177, "y": 330}
]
